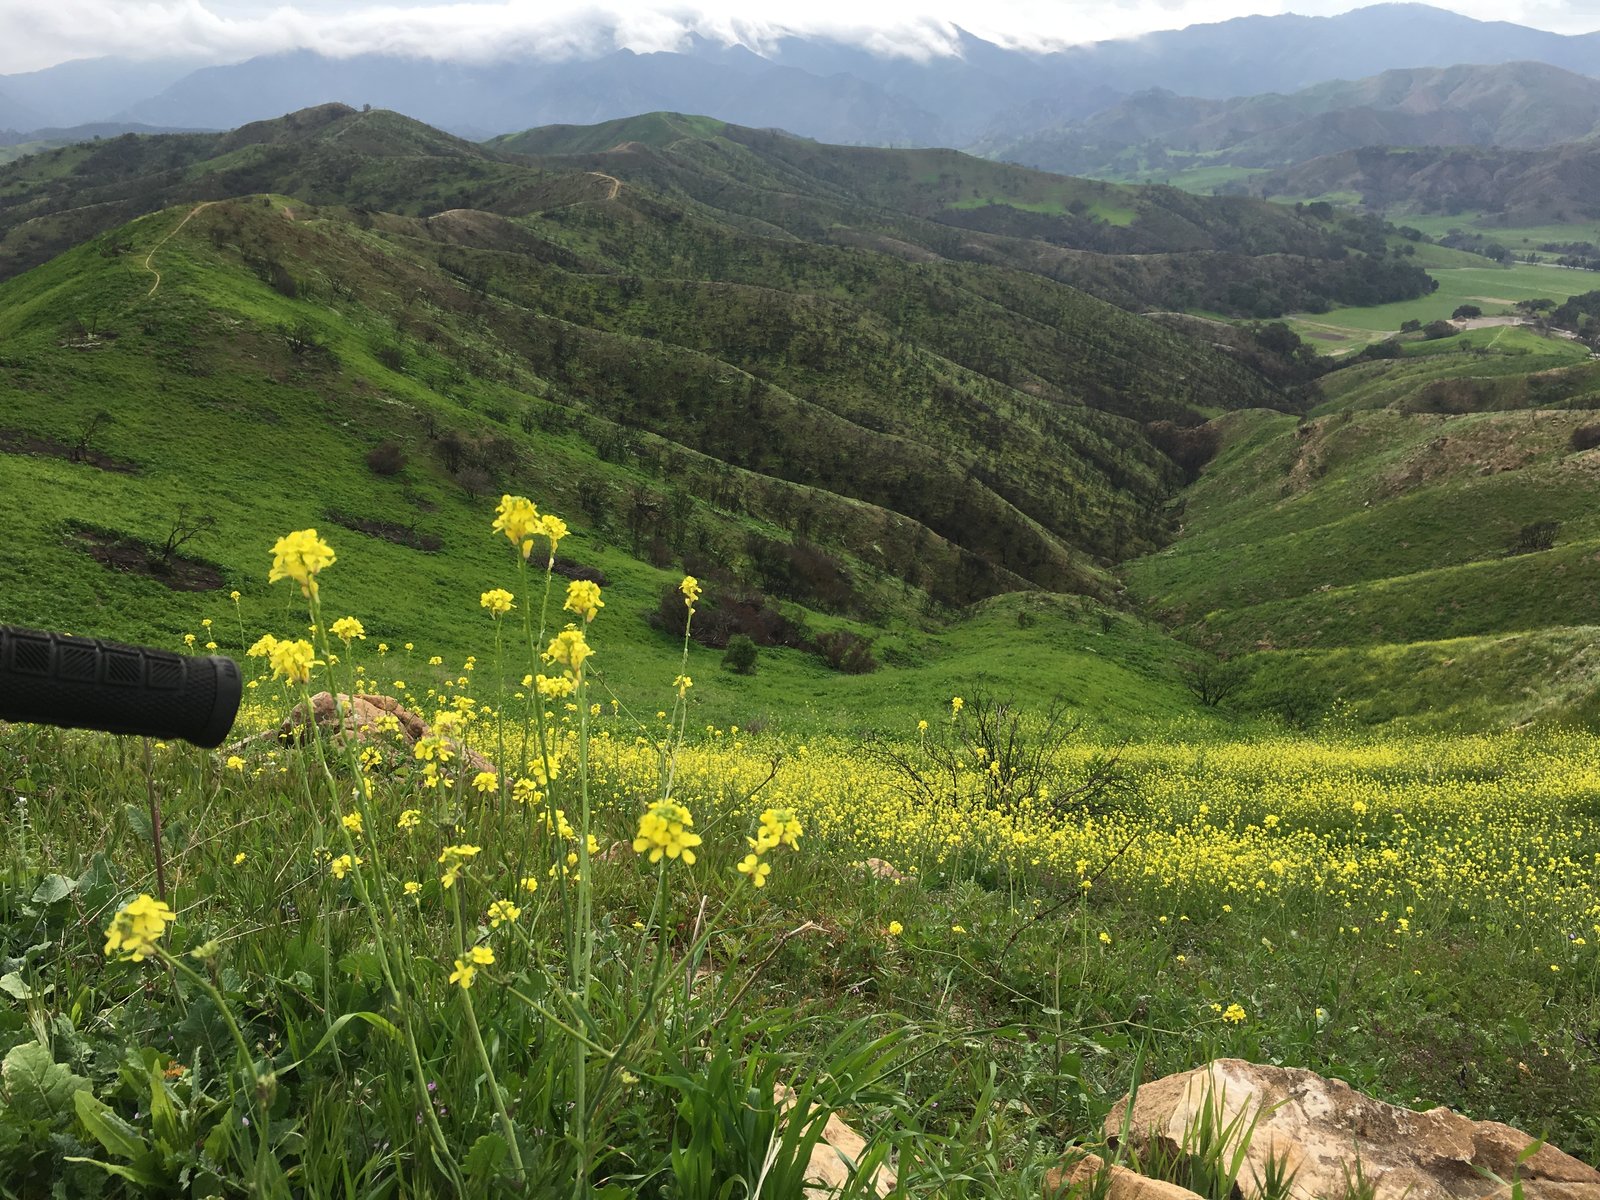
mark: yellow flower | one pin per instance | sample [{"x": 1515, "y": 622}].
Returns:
[
  {"x": 234, "y": 763},
  {"x": 454, "y": 858},
  {"x": 263, "y": 647},
  {"x": 555, "y": 529},
  {"x": 570, "y": 650},
  {"x": 554, "y": 688},
  {"x": 778, "y": 825},
  {"x": 299, "y": 556},
  {"x": 690, "y": 587},
  {"x": 756, "y": 869},
  {"x": 896, "y": 929},
  {"x": 502, "y": 910},
  {"x": 683, "y": 683},
  {"x": 343, "y": 865},
  {"x": 1234, "y": 1015},
  {"x": 518, "y": 519},
  {"x": 957, "y": 929},
  {"x": 234, "y": 596},
  {"x": 956, "y": 705},
  {"x": 497, "y": 601},
  {"x": 583, "y": 598},
  {"x": 529, "y": 884},
  {"x": 482, "y": 956},
  {"x": 410, "y": 819},
  {"x": 1105, "y": 938},
  {"x": 136, "y": 926},
  {"x": 485, "y": 781},
  {"x": 293, "y": 661},
  {"x": 352, "y": 822},
  {"x": 412, "y": 887},
  {"x": 665, "y": 829},
  {"x": 188, "y": 639},
  {"x": 238, "y": 859},
  {"x": 463, "y": 974},
  {"x": 347, "y": 629}
]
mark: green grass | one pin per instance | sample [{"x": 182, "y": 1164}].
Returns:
[
  {"x": 1519, "y": 239},
  {"x": 1493, "y": 289},
  {"x": 1379, "y": 909}
]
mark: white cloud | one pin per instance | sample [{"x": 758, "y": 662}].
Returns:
[{"x": 36, "y": 33}]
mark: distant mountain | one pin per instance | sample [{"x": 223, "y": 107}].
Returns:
[
  {"x": 88, "y": 90},
  {"x": 818, "y": 87},
  {"x": 1521, "y": 187},
  {"x": 16, "y": 116},
  {"x": 51, "y": 136},
  {"x": 1523, "y": 104}
]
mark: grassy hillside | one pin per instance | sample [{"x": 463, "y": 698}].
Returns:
[
  {"x": 704, "y": 425},
  {"x": 1434, "y": 513}
]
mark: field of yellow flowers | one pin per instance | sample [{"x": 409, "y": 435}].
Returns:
[{"x": 552, "y": 945}]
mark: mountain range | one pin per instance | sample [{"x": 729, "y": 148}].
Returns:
[
  {"x": 1518, "y": 105},
  {"x": 814, "y": 86}
]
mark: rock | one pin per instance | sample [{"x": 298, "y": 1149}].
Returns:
[
  {"x": 834, "y": 1158},
  {"x": 1122, "y": 1185},
  {"x": 361, "y": 715},
  {"x": 883, "y": 870},
  {"x": 1322, "y": 1128}
]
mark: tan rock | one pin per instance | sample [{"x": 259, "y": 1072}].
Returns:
[
  {"x": 1123, "y": 1184},
  {"x": 359, "y": 720},
  {"x": 884, "y": 870},
  {"x": 1322, "y": 1128},
  {"x": 834, "y": 1158}
]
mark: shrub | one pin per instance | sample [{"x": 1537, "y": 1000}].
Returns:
[
  {"x": 386, "y": 458},
  {"x": 847, "y": 652},
  {"x": 1434, "y": 330},
  {"x": 740, "y": 656},
  {"x": 1465, "y": 312},
  {"x": 1585, "y": 437},
  {"x": 1530, "y": 539}
]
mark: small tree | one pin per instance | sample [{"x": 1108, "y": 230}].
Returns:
[
  {"x": 386, "y": 458},
  {"x": 83, "y": 444},
  {"x": 186, "y": 526},
  {"x": 1530, "y": 539},
  {"x": 1211, "y": 680},
  {"x": 740, "y": 656},
  {"x": 1466, "y": 312}
]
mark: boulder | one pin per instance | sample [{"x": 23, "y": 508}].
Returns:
[
  {"x": 1121, "y": 1184},
  {"x": 834, "y": 1158},
  {"x": 1321, "y": 1129},
  {"x": 358, "y": 719}
]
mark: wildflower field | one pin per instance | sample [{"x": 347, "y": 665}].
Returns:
[{"x": 560, "y": 945}]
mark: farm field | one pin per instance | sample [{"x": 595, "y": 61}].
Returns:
[
  {"x": 385, "y": 965},
  {"x": 1493, "y": 289}
]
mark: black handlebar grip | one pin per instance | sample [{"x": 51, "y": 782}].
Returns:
[{"x": 85, "y": 683}]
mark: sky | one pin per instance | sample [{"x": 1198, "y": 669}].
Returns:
[{"x": 40, "y": 33}]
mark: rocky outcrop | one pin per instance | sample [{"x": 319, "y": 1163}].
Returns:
[
  {"x": 1090, "y": 1174},
  {"x": 1323, "y": 1131}
]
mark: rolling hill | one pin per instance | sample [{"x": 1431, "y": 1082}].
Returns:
[{"x": 694, "y": 364}]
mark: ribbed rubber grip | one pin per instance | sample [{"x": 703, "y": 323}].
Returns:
[{"x": 85, "y": 683}]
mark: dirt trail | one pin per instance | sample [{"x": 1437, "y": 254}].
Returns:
[
  {"x": 616, "y": 184},
  {"x": 164, "y": 241}
]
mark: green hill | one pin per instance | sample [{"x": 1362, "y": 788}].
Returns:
[{"x": 1415, "y": 544}]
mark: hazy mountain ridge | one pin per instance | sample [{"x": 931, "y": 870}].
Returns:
[
  {"x": 814, "y": 86},
  {"x": 1515, "y": 105}
]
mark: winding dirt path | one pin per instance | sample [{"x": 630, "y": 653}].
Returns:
[
  {"x": 164, "y": 241},
  {"x": 616, "y": 184}
]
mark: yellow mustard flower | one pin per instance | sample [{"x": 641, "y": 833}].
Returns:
[
  {"x": 454, "y": 858},
  {"x": 293, "y": 661},
  {"x": 299, "y": 556},
  {"x": 896, "y": 929},
  {"x": 352, "y": 822},
  {"x": 348, "y": 629},
  {"x": 583, "y": 598},
  {"x": 135, "y": 928},
  {"x": 665, "y": 829},
  {"x": 463, "y": 974},
  {"x": 690, "y": 587},
  {"x": 518, "y": 519},
  {"x": 756, "y": 869},
  {"x": 501, "y": 911},
  {"x": 497, "y": 601},
  {"x": 569, "y": 649}
]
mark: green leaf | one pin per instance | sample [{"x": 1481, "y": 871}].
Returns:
[
  {"x": 163, "y": 1113},
  {"x": 486, "y": 1155},
  {"x": 11, "y": 984},
  {"x": 36, "y": 1087},
  {"x": 139, "y": 819},
  {"x": 132, "y": 1174},
  {"x": 111, "y": 1131},
  {"x": 53, "y": 888}
]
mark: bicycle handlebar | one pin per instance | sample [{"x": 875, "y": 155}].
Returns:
[{"x": 85, "y": 683}]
